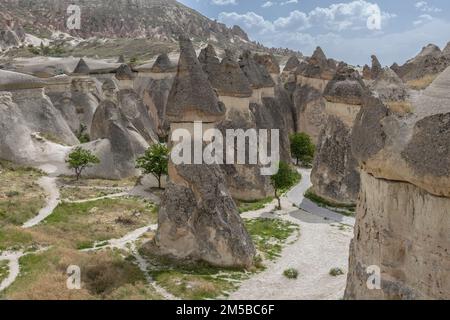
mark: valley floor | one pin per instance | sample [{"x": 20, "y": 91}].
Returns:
[{"x": 79, "y": 217}]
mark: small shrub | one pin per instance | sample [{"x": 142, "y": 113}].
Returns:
[
  {"x": 12, "y": 194},
  {"x": 335, "y": 272},
  {"x": 291, "y": 273}
]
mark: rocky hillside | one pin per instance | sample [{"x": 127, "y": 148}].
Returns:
[{"x": 161, "y": 20}]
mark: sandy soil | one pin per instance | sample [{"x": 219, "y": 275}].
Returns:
[{"x": 323, "y": 245}]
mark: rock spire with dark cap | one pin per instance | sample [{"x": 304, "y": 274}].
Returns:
[
  {"x": 317, "y": 66},
  {"x": 291, "y": 64},
  {"x": 346, "y": 87},
  {"x": 81, "y": 68},
  {"x": 192, "y": 97},
  {"x": 257, "y": 74},
  {"x": 124, "y": 72},
  {"x": 226, "y": 77},
  {"x": 163, "y": 64},
  {"x": 121, "y": 59},
  {"x": 209, "y": 61},
  {"x": 376, "y": 67},
  {"x": 231, "y": 81}
]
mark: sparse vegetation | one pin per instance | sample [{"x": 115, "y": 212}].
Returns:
[
  {"x": 400, "y": 107},
  {"x": 302, "y": 148},
  {"x": 4, "y": 270},
  {"x": 21, "y": 198},
  {"x": 422, "y": 83},
  {"x": 81, "y": 225},
  {"x": 82, "y": 135},
  {"x": 269, "y": 235},
  {"x": 107, "y": 275},
  {"x": 245, "y": 206},
  {"x": 47, "y": 51},
  {"x": 155, "y": 162},
  {"x": 345, "y": 209},
  {"x": 335, "y": 272},
  {"x": 80, "y": 159},
  {"x": 291, "y": 273}
]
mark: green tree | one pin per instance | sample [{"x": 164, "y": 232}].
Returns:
[
  {"x": 155, "y": 161},
  {"x": 302, "y": 148},
  {"x": 283, "y": 180},
  {"x": 80, "y": 159}
]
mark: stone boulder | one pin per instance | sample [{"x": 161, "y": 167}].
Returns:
[{"x": 402, "y": 218}]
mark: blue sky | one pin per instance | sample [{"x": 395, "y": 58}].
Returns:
[{"x": 349, "y": 30}]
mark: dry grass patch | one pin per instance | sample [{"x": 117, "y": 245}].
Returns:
[
  {"x": 80, "y": 225},
  {"x": 85, "y": 193},
  {"x": 400, "y": 107},
  {"x": 104, "y": 275},
  {"x": 21, "y": 197},
  {"x": 98, "y": 183},
  {"x": 422, "y": 83}
]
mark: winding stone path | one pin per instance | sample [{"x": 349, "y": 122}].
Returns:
[
  {"x": 50, "y": 187},
  {"x": 323, "y": 244}
]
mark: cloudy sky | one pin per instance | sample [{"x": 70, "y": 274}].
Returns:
[{"x": 347, "y": 30}]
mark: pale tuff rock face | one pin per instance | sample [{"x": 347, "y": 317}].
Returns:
[
  {"x": 131, "y": 105},
  {"x": 403, "y": 230},
  {"x": 402, "y": 219},
  {"x": 335, "y": 175},
  {"x": 40, "y": 115},
  {"x": 312, "y": 77},
  {"x": 126, "y": 143},
  {"x": 153, "y": 85},
  {"x": 84, "y": 100},
  {"x": 202, "y": 221}
]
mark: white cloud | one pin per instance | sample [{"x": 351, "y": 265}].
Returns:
[
  {"x": 224, "y": 2},
  {"x": 425, "y": 7},
  {"x": 422, "y": 19},
  {"x": 337, "y": 17},
  {"x": 268, "y": 4},
  {"x": 289, "y": 2}
]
